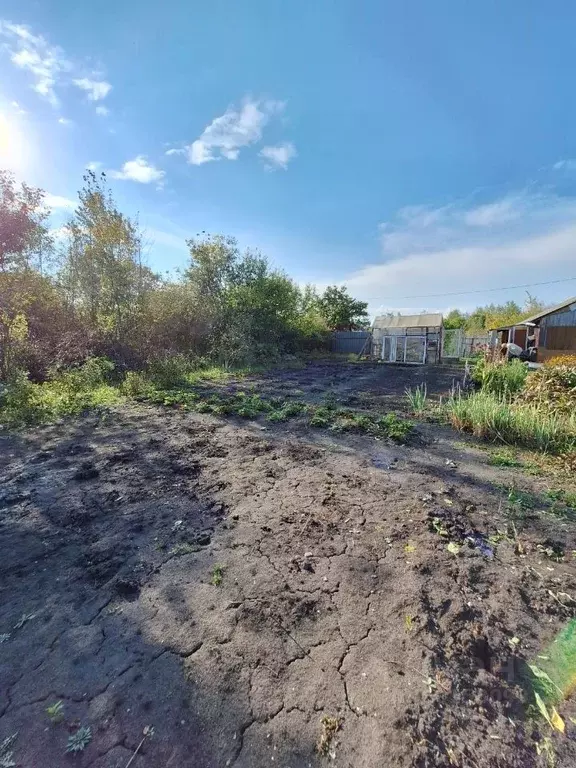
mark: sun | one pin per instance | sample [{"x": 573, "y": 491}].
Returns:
[{"x": 12, "y": 155}]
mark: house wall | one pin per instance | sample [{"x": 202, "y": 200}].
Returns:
[{"x": 557, "y": 335}]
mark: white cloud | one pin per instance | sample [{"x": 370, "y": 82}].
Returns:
[
  {"x": 139, "y": 170},
  {"x": 48, "y": 64},
  {"x": 64, "y": 121},
  {"x": 17, "y": 108},
  {"x": 56, "y": 201},
  {"x": 96, "y": 90},
  {"x": 529, "y": 237},
  {"x": 236, "y": 128},
  {"x": 94, "y": 166},
  {"x": 32, "y": 53},
  {"x": 175, "y": 151},
  {"x": 102, "y": 110},
  {"x": 278, "y": 156}
]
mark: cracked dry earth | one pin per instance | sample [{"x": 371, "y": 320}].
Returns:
[{"x": 111, "y": 533}]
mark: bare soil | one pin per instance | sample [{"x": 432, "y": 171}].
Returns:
[{"x": 272, "y": 595}]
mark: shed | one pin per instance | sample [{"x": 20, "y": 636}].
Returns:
[
  {"x": 553, "y": 329},
  {"x": 407, "y": 338}
]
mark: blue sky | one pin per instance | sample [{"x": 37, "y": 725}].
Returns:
[{"x": 404, "y": 148}]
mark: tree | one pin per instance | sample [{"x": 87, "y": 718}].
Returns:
[
  {"x": 455, "y": 319},
  {"x": 103, "y": 274},
  {"x": 341, "y": 311},
  {"x": 24, "y": 238}
]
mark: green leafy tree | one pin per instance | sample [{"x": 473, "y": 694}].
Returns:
[
  {"x": 455, "y": 319},
  {"x": 103, "y": 273},
  {"x": 341, "y": 311}
]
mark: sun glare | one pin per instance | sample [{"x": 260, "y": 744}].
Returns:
[{"x": 11, "y": 144}]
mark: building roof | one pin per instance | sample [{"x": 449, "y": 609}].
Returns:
[
  {"x": 535, "y": 318},
  {"x": 408, "y": 321},
  {"x": 550, "y": 310}
]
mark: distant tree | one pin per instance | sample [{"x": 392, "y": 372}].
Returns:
[
  {"x": 25, "y": 242},
  {"x": 455, "y": 319},
  {"x": 341, "y": 311}
]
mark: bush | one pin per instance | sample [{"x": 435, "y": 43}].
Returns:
[
  {"x": 553, "y": 386},
  {"x": 169, "y": 372},
  {"x": 500, "y": 377},
  {"x": 494, "y": 417}
]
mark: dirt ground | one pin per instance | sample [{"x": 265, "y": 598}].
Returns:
[{"x": 272, "y": 595}]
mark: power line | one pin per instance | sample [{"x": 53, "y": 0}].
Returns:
[{"x": 467, "y": 293}]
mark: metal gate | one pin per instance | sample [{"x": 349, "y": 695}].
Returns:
[{"x": 404, "y": 349}]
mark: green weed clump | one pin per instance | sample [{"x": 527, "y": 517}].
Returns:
[
  {"x": 66, "y": 393},
  {"x": 500, "y": 377},
  {"x": 417, "y": 399},
  {"x": 553, "y": 386},
  {"x": 492, "y": 417}
]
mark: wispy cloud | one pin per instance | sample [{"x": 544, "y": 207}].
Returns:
[
  {"x": 17, "y": 108},
  {"x": 528, "y": 237},
  {"x": 139, "y": 170},
  {"x": 236, "y": 128},
  {"x": 175, "y": 151},
  {"x": 102, "y": 110},
  {"x": 32, "y": 53},
  {"x": 96, "y": 90},
  {"x": 565, "y": 165},
  {"x": 58, "y": 202},
  {"x": 64, "y": 121},
  {"x": 94, "y": 166},
  {"x": 278, "y": 156},
  {"x": 48, "y": 64}
]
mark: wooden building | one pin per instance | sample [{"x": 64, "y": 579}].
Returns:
[{"x": 553, "y": 329}]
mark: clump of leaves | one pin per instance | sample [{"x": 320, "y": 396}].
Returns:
[
  {"x": 453, "y": 548},
  {"x": 409, "y": 548},
  {"x": 6, "y": 751},
  {"x": 409, "y": 622},
  {"x": 330, "y": 727},
  {"x": 77, "y": 742},
  {"x": 217, "y": 575},
  {"x": 55, "y": 712}
]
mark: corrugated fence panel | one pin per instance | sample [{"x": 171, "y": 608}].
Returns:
[{"x": 350, "y": 342}]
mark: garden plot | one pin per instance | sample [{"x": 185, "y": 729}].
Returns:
[{"x": 180, "y": 589}]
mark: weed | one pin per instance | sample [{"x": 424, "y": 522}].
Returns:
[
  {"x": 409, "y": 548},
  {"x": 55, "y": 712},
  {"x": 409, "y": 622},
  {"x": 4, "y": 637},
  {"x": 438, "y": 527},
  {"x": 417, "y": 399},
  {"x": 503, "y": 458},
  {"x": 183, "y": 548},
  {"x": 330, "y": 727},
  {"x": 77, "y": 742},
  {"x": 545, "y": 747},
  {"x": 217, "y": 575},
  {"x": 6, "y": 751}
]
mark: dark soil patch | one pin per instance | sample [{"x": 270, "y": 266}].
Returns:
[{"x": 337, "y": 600}]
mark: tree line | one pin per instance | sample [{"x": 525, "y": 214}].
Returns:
[{"x": 90, "y": 292}]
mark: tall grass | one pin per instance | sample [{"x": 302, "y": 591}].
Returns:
[
  {"x": 500, "y": 377},
  {"x": 417, "y": 399},
  {"x": 497, "y": 418}
]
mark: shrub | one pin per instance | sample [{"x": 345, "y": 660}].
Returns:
[
  {"x": 553, "y": 386},
  {"x": 500, "y": 377},
  {"x": 169, "y": 372},
  {"x": 136, "y": 385}
]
